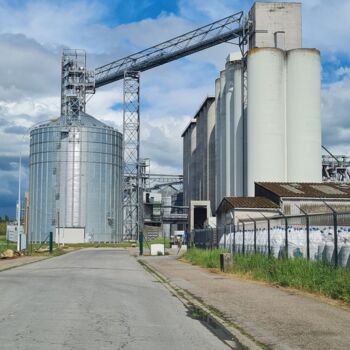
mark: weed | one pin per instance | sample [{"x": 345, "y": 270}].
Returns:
[{"x": 311, "y": 276}]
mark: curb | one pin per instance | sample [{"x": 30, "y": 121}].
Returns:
[
  {"x": 234, "y": 338},
  {"x": 22, "y": 264}
]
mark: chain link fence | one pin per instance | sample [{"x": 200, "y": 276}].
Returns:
[{"x": 320, "y": 237}]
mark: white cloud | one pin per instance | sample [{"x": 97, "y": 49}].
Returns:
[{"x": 335, "y": 115}]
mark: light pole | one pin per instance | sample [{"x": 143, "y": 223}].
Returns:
[{"x": 19, "y": 203}]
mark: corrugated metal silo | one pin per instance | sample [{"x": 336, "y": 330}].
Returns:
[
  {"x": 42, "y": 181},
  {"x": 77, "y": 169},
  {"x": 303, "y": 116},
  {"x": 266, "y": 124}
]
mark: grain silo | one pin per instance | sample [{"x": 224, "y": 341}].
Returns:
[
  {"x": 266, "y": 120},
  {"x": 75, "y": 169},
  {"x": 303, "y": 115},
  {"x": 75, "y": 181}
]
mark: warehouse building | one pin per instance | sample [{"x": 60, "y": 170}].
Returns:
[
  {"x": 298, "y": 198},
  {"x": 286, "y": 199}
]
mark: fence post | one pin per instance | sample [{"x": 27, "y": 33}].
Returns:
[
  {"x": 224, "y": 236},
  {"x": 234, "y": 238},
  {"x": 335, "y": 222},
  {"x": 268, "y": 238},
  {"x": 286, "y": 236},
  {"x": 254, "y": 237},
  {"x": 50, "y": 242},
  {"x": 243, "y": 248},
  {"x": 141, "y": 243}
]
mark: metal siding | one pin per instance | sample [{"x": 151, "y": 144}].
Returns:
[{"x": 89, "y": 170}]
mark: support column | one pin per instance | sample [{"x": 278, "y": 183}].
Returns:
[{"x": 131, "y": 156}]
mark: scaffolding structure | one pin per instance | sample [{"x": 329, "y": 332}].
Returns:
[{"x": 76, "y": 83}]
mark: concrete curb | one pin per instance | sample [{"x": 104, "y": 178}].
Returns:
[
  {"x": 23, "y": 264},
  {"x": 239, "y": 340},
  {"x": 39, "y": 258}
]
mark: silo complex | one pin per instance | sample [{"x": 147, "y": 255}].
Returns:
[
  {"x": 75, "y": 181},
  {"x": 283, "y": 121}
]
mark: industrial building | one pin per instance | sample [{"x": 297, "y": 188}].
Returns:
[
  {"x": 267, "y": 112},
  {"x": 199, "y": 163},
  {"x": 262, "y": 125},
  {"x": 286, "y": 199}
]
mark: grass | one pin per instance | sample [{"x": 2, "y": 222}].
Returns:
[
  {"x": 99, "y": 245},
  {"x": 310, "y": 276},
  {"x": 3, "y": 225}
]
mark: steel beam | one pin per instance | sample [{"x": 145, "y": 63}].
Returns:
[{"x": 202, "y": 38}]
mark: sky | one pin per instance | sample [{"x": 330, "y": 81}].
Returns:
[{"x": 34, "y": 32}]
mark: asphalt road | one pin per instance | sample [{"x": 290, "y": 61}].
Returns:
[{"x": 94, "y": 299}]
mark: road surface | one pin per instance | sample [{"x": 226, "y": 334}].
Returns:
[{"x": 94, "y": 299}]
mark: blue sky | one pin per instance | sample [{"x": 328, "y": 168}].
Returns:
[{"x": 33, "y": 33}]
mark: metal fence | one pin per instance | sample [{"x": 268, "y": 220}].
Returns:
[{"x": 321, "y": 237}]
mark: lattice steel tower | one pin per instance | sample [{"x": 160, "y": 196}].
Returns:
[
  {"x": 131, "y": 153},
  {"x": 76, "y": 83}
]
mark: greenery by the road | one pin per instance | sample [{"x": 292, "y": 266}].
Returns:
[{"x": 311, "y": 276}]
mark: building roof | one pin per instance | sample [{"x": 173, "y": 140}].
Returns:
[
  {"x": 192, "y": 121},
  {"x": 206, "y": 100},
  {"x": 308, "y": 190},
  {"x": 84, "y": 120},
  {"x": 247, "y": 203}
]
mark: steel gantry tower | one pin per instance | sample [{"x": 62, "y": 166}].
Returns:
[
  {"x": 129, "y": 68},
  {"x": 131, "y": 155}
]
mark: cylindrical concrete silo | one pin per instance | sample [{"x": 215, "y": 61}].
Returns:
[
  {"x": 229, "y": 135},
  {"x": 237, "y": 129},
  {"x": 266, "y": 120},
  {"x": 222, "y": 136},
  {"x": 79, "y": 166},
  {"x": 217, "y": 144},
  {"x": 303, "y": 116}
]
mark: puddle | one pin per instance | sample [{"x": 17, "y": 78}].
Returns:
[{"x": 214, "y": 327}]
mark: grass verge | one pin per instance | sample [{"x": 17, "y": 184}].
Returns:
[{"x": 310, "y": 276}]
